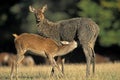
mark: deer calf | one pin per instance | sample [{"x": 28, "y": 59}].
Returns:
[{"x": 39, "y": 45}]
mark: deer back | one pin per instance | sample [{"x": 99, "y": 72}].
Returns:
[{"x": 35, "y": 43}]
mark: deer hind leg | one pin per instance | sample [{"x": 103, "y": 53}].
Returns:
[
  {"x": 88, "y": 54},
  {"x": 12, "y": 70},
  {"x": 91, "y": 46},
  {"x": 93, "y": 61},
  {"x": 15, "y": 63},
  {"x": 20, "y": 57}
]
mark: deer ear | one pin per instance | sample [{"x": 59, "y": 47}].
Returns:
[
  {"x": 31, "y": 9},
  {"x": 44, "y": 8}
]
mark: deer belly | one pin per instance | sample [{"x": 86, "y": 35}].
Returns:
[{"x": 39, "y": 53}]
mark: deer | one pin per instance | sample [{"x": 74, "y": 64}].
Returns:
[
  {"x": 7, "y": 58},
  {"x": 39, "y": 45},
  {"x": 85, "y": 30},
  {"x": 28, "y": 61},
  {"x": 4, "y": 56}
]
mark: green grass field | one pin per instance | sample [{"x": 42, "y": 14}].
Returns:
[{"x": 106, "y": 71}]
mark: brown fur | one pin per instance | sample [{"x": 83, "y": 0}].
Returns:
[
  {"x": 39, "y": 45},
  {"x": 4, "y": 56},
  {"x": 101, "y": 59},
  {"x": 27, "y": 61}
]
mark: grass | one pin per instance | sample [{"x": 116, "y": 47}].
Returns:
[{"x": 106, "y": 71}]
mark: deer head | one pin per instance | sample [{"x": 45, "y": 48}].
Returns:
[{"x": 39, "y": 13}]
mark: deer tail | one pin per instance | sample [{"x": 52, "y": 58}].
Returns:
[{"x": 15, "y": 35}]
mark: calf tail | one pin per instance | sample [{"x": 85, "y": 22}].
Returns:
[{"x": 15, "y": 35}]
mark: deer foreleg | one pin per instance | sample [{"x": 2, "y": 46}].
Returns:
[
  {"x": 61, "y": 61},
  {"x": 54, "y": 64}
]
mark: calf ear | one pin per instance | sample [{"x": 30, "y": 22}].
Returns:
[
  {"x": 44, "y": 8},
  {"x": 31, "y": 9}
]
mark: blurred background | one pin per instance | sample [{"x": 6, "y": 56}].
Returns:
[{"x": 16, "y": 18}]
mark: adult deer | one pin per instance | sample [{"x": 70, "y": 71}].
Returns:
[
  {"x": 39, "y": 45},
  {"x": 83, "y": 29}
]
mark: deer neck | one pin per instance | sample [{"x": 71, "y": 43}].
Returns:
[
  {"x": 65, "y": 49},
  {"x": 44, "y": 22}
]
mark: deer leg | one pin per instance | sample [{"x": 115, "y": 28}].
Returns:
[
  {"x": 19, "y": 59},
  {"x": 62, "y": 63},
  {"x": 54, "y": 64},
  {"x": 61, "y": 60},
  {"x": 57, "y": 66},
  {"x": 91, "y": 46},
  {"x": 93, "y": 57},
  {"x": 12, "y": 70},
  {"x": 88, "y": 53},
  {"x": 93, "y": 62},
  {"x": 58, "y": 59}
]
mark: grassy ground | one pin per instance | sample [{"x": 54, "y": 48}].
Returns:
[{"x": 106, "y": 71}]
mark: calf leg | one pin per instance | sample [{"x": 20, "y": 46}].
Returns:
[
  {"x": 19, "y": 59},
  {"x": 54, "y": 64},
  {"x": 61, "y": 61},
  {"x": 12, "y": 70}
]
